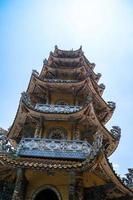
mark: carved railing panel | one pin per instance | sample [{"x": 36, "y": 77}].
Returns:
[
  {"x": 116, "y": 132},
  {"x": 57, "y": 108},
  {"x": 52, "y": 148}
]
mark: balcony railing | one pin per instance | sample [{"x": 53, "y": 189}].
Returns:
[
  {"x": 59, "y": 81},
  {"x": 57, "y": 108},
  {"x": 39, "y": 147},
  {"x": 52, "y": 148}
]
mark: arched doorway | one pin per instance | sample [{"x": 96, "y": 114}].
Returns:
[{"x": 46, "y": 194}]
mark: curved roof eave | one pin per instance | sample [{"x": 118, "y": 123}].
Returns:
[
  {"x": 101, "y": 100},
  {"x": 63, "y": 116},
  {"x": 58, "y": 83},
  {"x": 114, "y": 177}
]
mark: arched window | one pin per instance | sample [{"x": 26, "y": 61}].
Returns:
[
  {"x": 58, "y": 133},
  {"x": 47, "y": 194}
]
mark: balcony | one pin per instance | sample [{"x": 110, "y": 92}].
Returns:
[
  {"x": 52, "y": 108},
  {"x": 47, "y": 108},
  {"x": 50, "y": 148}
]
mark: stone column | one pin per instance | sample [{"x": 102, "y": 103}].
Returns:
[
  {"x": 20, "y": 185},
  {"x": 72, "y": 186}
]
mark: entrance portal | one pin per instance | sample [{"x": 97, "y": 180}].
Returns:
[{"x": 46, "y": 194}]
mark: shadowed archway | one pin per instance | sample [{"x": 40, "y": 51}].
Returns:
[{"x": 46, "y": 194}]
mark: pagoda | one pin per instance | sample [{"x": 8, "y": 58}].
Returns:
[{"x": 58, "y": 146}]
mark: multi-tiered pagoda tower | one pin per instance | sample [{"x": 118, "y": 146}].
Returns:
[{"x": 58, "y": 146}]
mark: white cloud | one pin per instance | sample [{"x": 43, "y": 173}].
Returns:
[{"x": 116, "y": 166}]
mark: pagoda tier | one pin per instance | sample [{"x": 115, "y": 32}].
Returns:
[
  {"x": 78, "y": 89},
  {"x": 78, "y": 73},
  {"x": 56, "y": 82}
]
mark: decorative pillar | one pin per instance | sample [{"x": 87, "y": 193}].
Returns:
[
  {"x": 72, "y": 186},
  {"x": 48, "y": 96},
  {"x": 74, "y": 95},
  {"x": 38, "y": 131},
  {"x": 79, "y": 188},
  {"x": 76, "y": 132},
  {"x": 20, "y": 185}
]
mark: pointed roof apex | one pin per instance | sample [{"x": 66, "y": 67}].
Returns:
[
  {"x": 67, "y": 53},
  {"x": 56, "y": 48}
]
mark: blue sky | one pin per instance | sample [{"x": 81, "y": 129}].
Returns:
[{"x": 29, "y": 30}]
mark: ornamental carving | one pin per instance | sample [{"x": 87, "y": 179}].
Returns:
[
  {"x": 116, "y": 132},
  {"x": 111, "y": 104},
  {"x": 128, "y": 180},
  {"x": 5, "y": 145},
  {"x": 59, "y": 133},
  {"x": 97, "y": 144}
]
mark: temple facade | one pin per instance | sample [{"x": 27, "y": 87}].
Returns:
[{"x": 58, "y": 145}]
